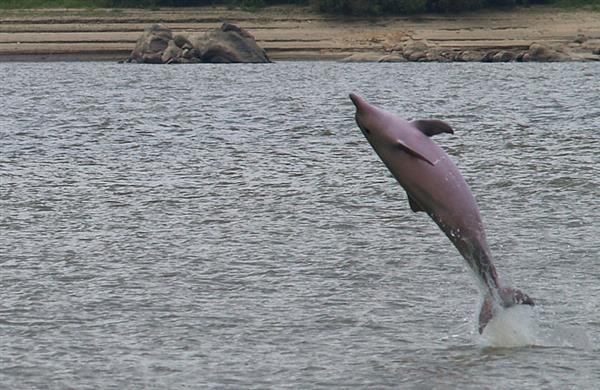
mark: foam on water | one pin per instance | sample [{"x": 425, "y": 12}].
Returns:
[
  {"x": 565, "y": 336},
  {"x": 512, "y": 327},
  {"x": 519, "y": 326}
]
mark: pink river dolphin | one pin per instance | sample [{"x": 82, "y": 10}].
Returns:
[{"x": 434, "y": 185}]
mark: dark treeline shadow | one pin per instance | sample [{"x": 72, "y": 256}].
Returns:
[{"x": 346, "y": 7}]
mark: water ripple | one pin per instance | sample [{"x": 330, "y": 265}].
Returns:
[{"x": 218, "y": 226}]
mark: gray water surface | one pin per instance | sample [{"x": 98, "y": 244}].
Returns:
[{"x": 229, "y": 226}]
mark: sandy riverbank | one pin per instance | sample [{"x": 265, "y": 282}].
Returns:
[{"x": 290, "y": 33}]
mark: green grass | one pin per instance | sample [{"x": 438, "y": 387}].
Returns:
[{"x": 24, "y": 4}]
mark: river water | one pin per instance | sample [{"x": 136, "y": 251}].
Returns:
[{"x": 218, "y": 226}]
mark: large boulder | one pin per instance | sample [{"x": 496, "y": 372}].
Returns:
[
  {"x": 503, "y": 56},
  {"x": 470, "y": 56},
  {"x": 172, "y": 53},
  {"x": 544, "y": 53},
  {"x": 230, "y": 44},
  {"x": 592, "y": 45},
  {"x": 436, "y": 54},
  {"x": 151, "y": 44},
  {"x": 415, "y": 50}
]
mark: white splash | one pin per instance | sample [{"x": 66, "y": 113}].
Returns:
[
  {"x": 512, "y": 327},
  {"x": 519, "y": 326}
]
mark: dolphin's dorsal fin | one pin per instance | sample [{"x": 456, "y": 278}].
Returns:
[
  {"x": 431, "y": 127},
  {"x": 414, "y": 206},
  {"x": 414, "y": 152}
]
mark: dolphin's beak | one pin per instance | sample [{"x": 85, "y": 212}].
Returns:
[
  {"x": 361, "y": 106},
  {"x": 359, "y": 102}
]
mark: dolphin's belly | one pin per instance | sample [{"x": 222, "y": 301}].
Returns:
[{"x": 441, "y": 192}]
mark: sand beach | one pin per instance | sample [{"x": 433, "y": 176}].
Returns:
[{"x": 295, "y": 33}]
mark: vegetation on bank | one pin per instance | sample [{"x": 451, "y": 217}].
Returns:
[
  {"x": 351, "y": 7},
  {"x": 23, "y": 4},
  {"x": 378, "y": 7}
]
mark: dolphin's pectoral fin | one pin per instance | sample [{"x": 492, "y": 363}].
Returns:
[
  {"x": 414, "y": 152},
  {"x": 414, "y": 206},
  {"x": 431, "y": 127}
]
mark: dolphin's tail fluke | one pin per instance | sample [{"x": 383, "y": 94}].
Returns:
[{"x": 507, "y": 297}]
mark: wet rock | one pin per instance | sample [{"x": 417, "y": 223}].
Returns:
[
  {"x": 393, "y": 57},
  {"x": 488, "y": 56},
  {"x": 470, "y": 56},
  {"x": 544, "y": 53},
  {"x": 230, "y": 44},
  {"x": 151, "y": 58},
  {"x": 503, "y": 56},
  {"x": 519, "y": 56},
  {"x": 440, "y": 55}
]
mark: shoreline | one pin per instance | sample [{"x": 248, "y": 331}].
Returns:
[{"x": 298, "y": 33}]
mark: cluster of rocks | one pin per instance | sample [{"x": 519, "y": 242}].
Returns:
[
  {"x": 423, "y": 51},
  {"x": 227, "y": 44}
]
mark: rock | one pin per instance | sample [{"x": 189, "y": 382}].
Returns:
[
  {"x": 519, "y": 56},
  {"x": 470, "y": 56},
  {"x": 580, "y": 38},
  {"x": 230, "y": 44},
  {"x": 172, "y": 53},
  {"x": 364, "y": 57},
  {"x": 232, "y": 27},
  {"x": 182, "y": 42},
  {"x": 503, "y": 56},
  {"x": 154, "y": 40},
  {"x": 394, "y": 57},
  {"x": 439, "y": 55},
  {"x": 415, "y": 50},
  {"x": 416, "y": 56},
  {"x": 544, "y": 53},
  {"x": 151, "y": 58},
  {"x": 592, "y": 45},
  {"x": 191, "y": 54},
  {"x": 395, "y": 40},
  {"x": 421, "y": 51},
  {"x": 374, "y": 57}
]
